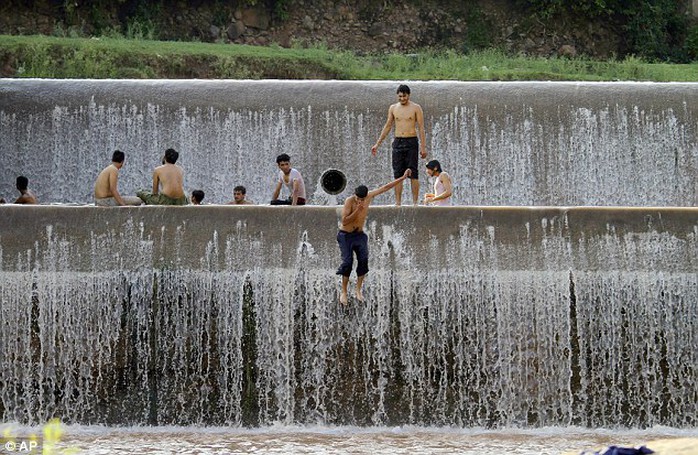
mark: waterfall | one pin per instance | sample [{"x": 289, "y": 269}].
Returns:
[
  {"x": 473, "y": 317},
  {"x": 527, "y": 143}
]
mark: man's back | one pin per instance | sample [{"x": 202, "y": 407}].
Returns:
[
  {"x": 103, "y": 183},
  {"x": 27, "y": 197},
  {"x": 171, "y": 179}
]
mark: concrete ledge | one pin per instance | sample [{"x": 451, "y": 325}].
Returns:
[{"x": 429, "y": 238}]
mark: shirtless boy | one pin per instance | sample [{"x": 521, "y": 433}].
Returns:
[
  {"x": 351, "y": 237},
  {"x": 240, "y": 196},
  {"x": 408, "y": 119},
  {"x": 168, "y": 183},
  {"x": 27, "y": 196},
  {"x": 106, "y": 187}
]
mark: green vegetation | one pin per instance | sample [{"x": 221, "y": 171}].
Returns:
[
  {"x": 654, "y": 29},
  {"x": 115, "y": 57}
]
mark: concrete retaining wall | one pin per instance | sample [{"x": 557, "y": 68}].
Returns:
[{"x": 474, "y": 316}]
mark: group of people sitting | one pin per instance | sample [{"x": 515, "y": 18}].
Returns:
[
  {"x": 168, "y": 185},
  {"x": 168, "y": 188}
]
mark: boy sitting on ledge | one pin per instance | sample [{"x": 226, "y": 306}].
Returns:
[{"x": 171, "y": 178}]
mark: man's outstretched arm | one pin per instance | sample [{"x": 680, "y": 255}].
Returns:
[{"x": 390, "y": 185}]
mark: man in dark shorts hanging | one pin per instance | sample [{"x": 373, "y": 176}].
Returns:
[
  {"x": 408, "y": 119},
  {"x": 351, "y": 237}
]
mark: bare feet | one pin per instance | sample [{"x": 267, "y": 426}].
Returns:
[
  {"x": 343, "y": 298},
  {"x": 359, "y": 295}
]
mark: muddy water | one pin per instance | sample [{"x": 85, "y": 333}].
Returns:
[{"x": 353, "y": 440}]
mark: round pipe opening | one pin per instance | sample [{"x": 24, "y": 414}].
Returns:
[{"x": 333, "y": 181}]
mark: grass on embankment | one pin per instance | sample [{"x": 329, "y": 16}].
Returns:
[{"x": 53, "y": 57}]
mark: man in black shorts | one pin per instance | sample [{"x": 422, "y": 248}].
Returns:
[{"x": 408, "y": 119}]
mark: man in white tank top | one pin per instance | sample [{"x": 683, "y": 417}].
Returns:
[{"x": 442, "y": 185}]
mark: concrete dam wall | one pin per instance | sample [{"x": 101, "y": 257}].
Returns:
[
  {"x": 494, "y": 316},
  {"x": 520, "y": 143}
]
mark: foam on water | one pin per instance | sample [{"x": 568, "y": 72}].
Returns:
[{"x": 284, "y": 439}]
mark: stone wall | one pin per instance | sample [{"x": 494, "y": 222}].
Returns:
[{"x": 361, "y": 26}]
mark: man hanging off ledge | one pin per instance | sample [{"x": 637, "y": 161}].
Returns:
[
  {"x": 351, "y": 237},
  {"x": 171, "y": 178}
]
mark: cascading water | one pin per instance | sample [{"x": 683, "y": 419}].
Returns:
[
  {"x": 474, "y": 317},
  {"x": 529, "y": 143}
]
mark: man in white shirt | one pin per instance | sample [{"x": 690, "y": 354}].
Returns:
[{"x": 292, "y": 180}]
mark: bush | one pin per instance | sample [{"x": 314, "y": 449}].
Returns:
[
  {"x": 692, "y": 43},
  {"x": 654, "y": 29}
]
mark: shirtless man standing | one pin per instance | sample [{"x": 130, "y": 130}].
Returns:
[
  {"x": 351, "y": 237},
  {"x": 171, "y": 178},
  {"x": 407, "y": 118},
  {"x": 106, "y": 186}
]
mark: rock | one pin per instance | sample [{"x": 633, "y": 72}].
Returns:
[
  {"x": 376, "y": 29},
  {"x": 235, "y": 29},
  {"x": 308, "y": 23},
  {"x": 7, "y": 70},
  {"x": 214, "y": 31},
  {"x": 256, "y": 18},
  {"x": 284, "y": 39},
  {"x": 567, "y": 50}
]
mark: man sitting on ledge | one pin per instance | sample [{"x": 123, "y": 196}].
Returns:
[
  {"x": 171, "y": 178},
  {"x": 106, "y": 187},
  {"x": 27, "y": 195}
]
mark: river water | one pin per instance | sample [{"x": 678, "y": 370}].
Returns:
[{"x": 347, "y": 440}]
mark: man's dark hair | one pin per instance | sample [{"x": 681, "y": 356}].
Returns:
[
  {"x": 198, "y": 194},
  {"x": 118, "y": 156},
  {"x": 361, "y": 191},
  {"x": 434, "y": 165},
  {"x": 402, "y": 88},
  {"x": 283, "y": 157},
  {"x": 240, "y": 189},
  {"x": 22, "y": 183},
  {"x": 171, "y": 156}
]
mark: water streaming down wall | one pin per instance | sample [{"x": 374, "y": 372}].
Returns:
[
  {"x": 528, "y": 143},
  {"x": 474, "y": 316}
]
